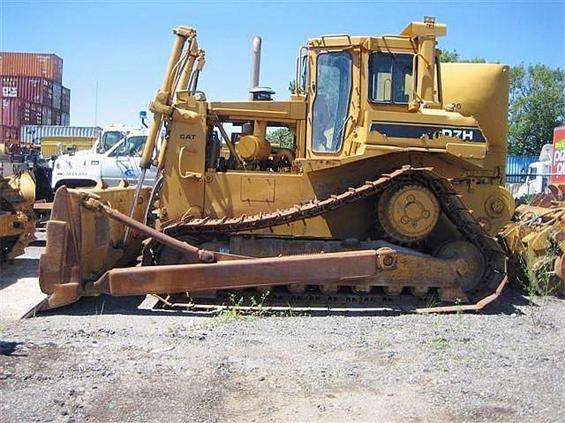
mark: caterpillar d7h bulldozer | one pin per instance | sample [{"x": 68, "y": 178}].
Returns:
[{"x": 393, "y": 183}]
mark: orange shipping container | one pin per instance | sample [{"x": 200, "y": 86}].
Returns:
[{"x": 48, "y": 66}]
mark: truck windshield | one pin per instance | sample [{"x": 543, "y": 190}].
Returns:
[
  {"x": 132, "y": 146},
  {"x": 109, "y": 139},
  {"x": 329, "y": 111}
]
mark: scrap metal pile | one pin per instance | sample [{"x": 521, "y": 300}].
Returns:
[{"x": 535, "y": 242}]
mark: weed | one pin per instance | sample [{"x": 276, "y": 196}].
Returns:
[
  {"x": 258, "y": 303},
  {"x": 235, "y": 308},
  {"x": 440, "y": 343},
  {"x": 432, "y": 301},
  {"x": 232, "y": 311}
]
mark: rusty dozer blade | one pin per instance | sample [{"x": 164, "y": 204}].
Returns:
[
  {"x": 81, "y": 242},
  {"x": 85, "y": 238}
]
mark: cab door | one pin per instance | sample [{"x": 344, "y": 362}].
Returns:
[
  {"x": 330, "y": 107},
  {"x": 112, "y": 168},
  {"x": 122, "y": 163}
]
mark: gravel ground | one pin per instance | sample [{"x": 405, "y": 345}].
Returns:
[
  {"x": 124, "y": 364},
  {"x": 107, "y": 360}
]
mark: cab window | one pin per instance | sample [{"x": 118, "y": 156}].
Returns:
[
  {"x": 109, "y": 139},
  {"x": 390, "y": 77},
  {"x": 132, "y": 147},
  {"x": 331, "y": 104}
]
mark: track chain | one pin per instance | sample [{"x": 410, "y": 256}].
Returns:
[{"x": 449, "y": 200}]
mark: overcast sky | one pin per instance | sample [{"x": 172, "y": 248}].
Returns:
[{"x": 124, "y": 45}]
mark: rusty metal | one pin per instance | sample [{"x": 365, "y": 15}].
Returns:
[
  {"x": 358, "y": 304},
  {"x": 316, "y": 269},
  {"x": 202, "y": 255},
  {"x": 535, "y": 242},
  {"x": 381, "y": 267}
]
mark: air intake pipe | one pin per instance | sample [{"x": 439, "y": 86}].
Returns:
[{"x": 255, "y": 64}]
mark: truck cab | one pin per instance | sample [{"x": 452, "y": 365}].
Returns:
[
  {"x": 79, "y": 169},
  {"x": 120, "y": 162}
]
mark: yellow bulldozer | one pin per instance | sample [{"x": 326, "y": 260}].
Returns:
[
  {"x": 393, "y": 184},
  {"x": 17, "y": 219}
]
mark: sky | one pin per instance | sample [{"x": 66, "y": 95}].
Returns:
[{"x": 122, "y": 46}]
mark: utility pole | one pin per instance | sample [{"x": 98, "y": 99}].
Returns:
[{"x": 96, "y": 105}]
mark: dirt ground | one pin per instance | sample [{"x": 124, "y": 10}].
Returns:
[{"x": 109, "y": 360}]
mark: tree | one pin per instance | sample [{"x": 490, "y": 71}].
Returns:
[
  {"x": 536, "y": 104},
  {"x": 282, "y": 137},
  {"x": 448, "y": 56}
]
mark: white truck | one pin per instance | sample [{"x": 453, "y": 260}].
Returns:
[
  {"x": 538, "y": 174},
  {"x": 119, "y": 162}
]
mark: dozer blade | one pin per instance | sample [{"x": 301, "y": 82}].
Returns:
[{"x": 82, "y": 243}]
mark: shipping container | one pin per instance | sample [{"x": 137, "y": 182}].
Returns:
[
  {"x": 11, "y": 110},
  {"x": 8, "y": 112},
  {"x": 24, "y": 113},
  {"x": 46, "y": 115},
  {"x": 47, "y": 66},
  {"x": 65, "y": 100},
  {"x": 57, "y": 96},
  {"x": 31, "y": 89},
  {"x": 55, "y": 117},
  {"x": 36, "y": 115},
  {"x": 8, "y": 133},
  {"x": 47, "y": 95}
]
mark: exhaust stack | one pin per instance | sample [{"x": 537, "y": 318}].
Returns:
[{"x": 255, "y": 64}]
